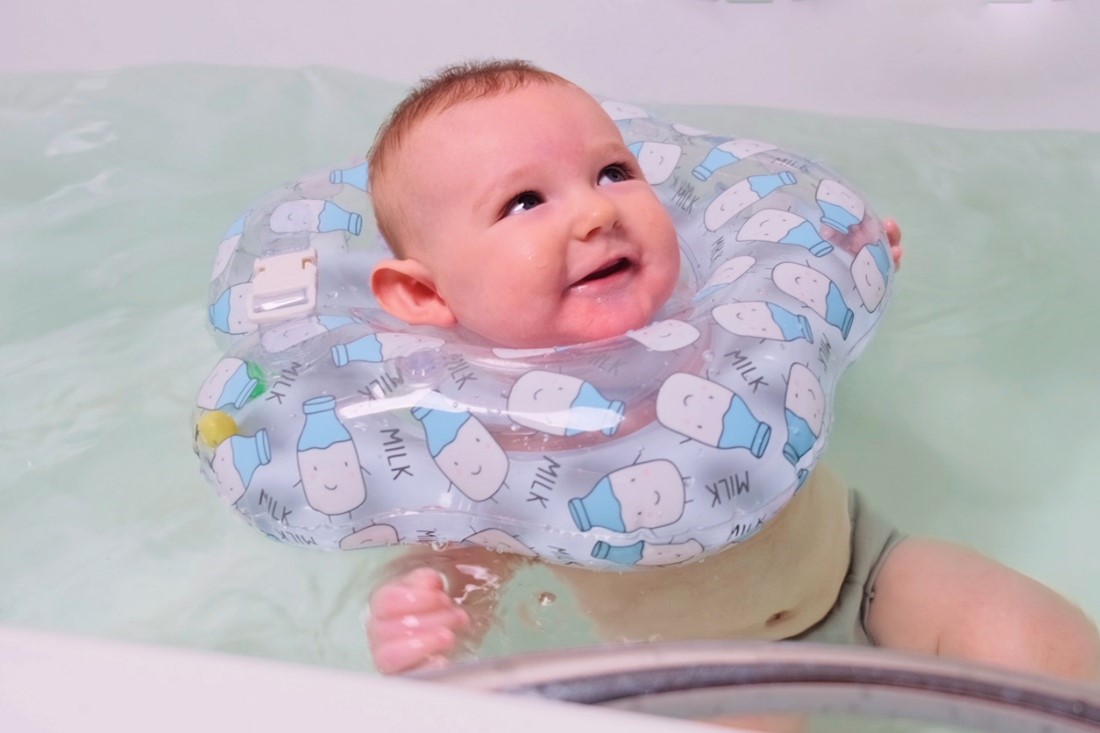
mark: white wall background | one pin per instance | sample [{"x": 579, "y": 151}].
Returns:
[{"x": 970, "y": 63}]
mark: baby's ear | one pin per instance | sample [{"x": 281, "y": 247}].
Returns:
[{"x": 405, "y": 288}]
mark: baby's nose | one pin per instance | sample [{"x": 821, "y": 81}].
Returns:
[{"x": 594, "y": 213}]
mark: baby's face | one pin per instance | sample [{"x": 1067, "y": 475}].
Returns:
[{"x": 535, "y": 220}]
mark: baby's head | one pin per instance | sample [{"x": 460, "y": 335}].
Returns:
[{"x": 514, "y": 208}]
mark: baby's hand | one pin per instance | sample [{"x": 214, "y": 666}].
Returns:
[
  {"x": 413, "y": 622},
  {"x": 893, "y": 234}
]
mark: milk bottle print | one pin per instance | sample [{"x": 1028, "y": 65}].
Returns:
[
  {"x": 817, "y": 292},
  {"x": 644, "y": 553},
  {"x": 229, "y": 313},
  {"x": 313, "y": 215},
  {"x": 355, "y": 176},
  {"x": 657, "y": 160},
  {"x": 464, "y": 451},
  {"x": 805, "y": 412},
  {"x": 668, "y": 335},
  {"x": 783, "y": 227},
  {"x": 728, "y": 153},
  {"x": 871, "y": 272},
  {"x": 327, "y": 460},
  {"x": 374, "y": 535},
  {"x": 709, "y": 413},
  {"x": 559, "y": 404},
  {"x": 840, "y": 207},
  {"x": 642, "y": 495},
  {"x": 235, "y": 462},
  {"x": 726, "y": 273},
  {"x": 229, "y": 384},
  {"x": 741, "y": 196},
  {"x": 763, "y": 320}
]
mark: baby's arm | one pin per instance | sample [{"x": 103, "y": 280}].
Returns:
[
  {"x": 939, "y": 598},
  {"x": 433, "y": 604}
]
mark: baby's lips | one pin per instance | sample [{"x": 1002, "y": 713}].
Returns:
[{"x": 610, "y": 266}]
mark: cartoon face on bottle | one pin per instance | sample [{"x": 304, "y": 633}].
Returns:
[
  {"x": 840, "y": 207},
  {"x": 558, "y": 404},
  {"x": 328, "y": 463},
  {"x": 816, "y": 291},
  {"x": 374, "y": 535},
  {"x": 332, "y": 478},
  {"x": 805, "y": 412},
  {"x": 229, "y": 313},
  {"x": 870, "y": 271},
  {"x": 498, "y": 540},
  {"x": 640, "y": 496},
  {"x": 668, "y": 335},
  {"x": 235, "y": 462},
  {"x": 463, "y": 449},
  {"x": 619, "y": 111},
  {"x": 709, "y": 413},
  {"x": 783, "y": 227},
  {"x": 742, "y": 195},
  {"x": 657, "y": 160},
  {"x": 762, "y": 320},
  {"x": 475, "y": 463},
  {"x": 228, "y": 384}
]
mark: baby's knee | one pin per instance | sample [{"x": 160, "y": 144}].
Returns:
[
  {"x": 937, "y": 597},
  {"x": 1070, "y": 641},
  {"x": 1033, "y": 629}
]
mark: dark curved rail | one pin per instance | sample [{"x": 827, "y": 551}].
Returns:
[{"x": 710, "y": 679}]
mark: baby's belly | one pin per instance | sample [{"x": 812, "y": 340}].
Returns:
[{"x": 772, "y": 586}]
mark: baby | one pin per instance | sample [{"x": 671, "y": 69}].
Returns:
[{"x": 513, "y": 207}]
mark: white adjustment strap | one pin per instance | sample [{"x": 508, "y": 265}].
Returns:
[{"x": 283, "y": 286}]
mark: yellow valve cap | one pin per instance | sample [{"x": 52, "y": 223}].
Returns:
[{"x": 215, "y": 426}]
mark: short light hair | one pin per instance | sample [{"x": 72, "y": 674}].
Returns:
[{"x": 450, "y": 86}]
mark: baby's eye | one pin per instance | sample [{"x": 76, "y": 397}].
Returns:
[
  {"x": 616, "y": 173},
  {"x": 524, "y": 202}
]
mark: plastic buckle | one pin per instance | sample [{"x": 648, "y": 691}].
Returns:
[{"x": 283, "y": 286}]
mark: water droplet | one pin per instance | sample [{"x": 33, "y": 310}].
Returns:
[
  {"x": 546, "y": 598},
  {"x": 439, "y": 545}
]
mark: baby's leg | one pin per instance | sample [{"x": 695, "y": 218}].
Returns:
[{"x": 936, "y": 597}]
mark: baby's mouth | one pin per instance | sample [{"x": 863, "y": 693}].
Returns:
[{"x": 612, "y": 268}]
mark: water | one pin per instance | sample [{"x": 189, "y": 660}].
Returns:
[{"x": 972, "y": 416}]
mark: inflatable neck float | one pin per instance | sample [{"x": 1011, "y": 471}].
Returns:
[{"x": 328, "y": 423}]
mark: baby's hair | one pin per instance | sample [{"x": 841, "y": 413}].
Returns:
[{"x": 451, "y": 85}]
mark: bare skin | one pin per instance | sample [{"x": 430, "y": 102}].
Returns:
[
  {"x": 925, "y": 596},
  {"x": 930, "y": 596},
  {"x": 794, "y": 567}
]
